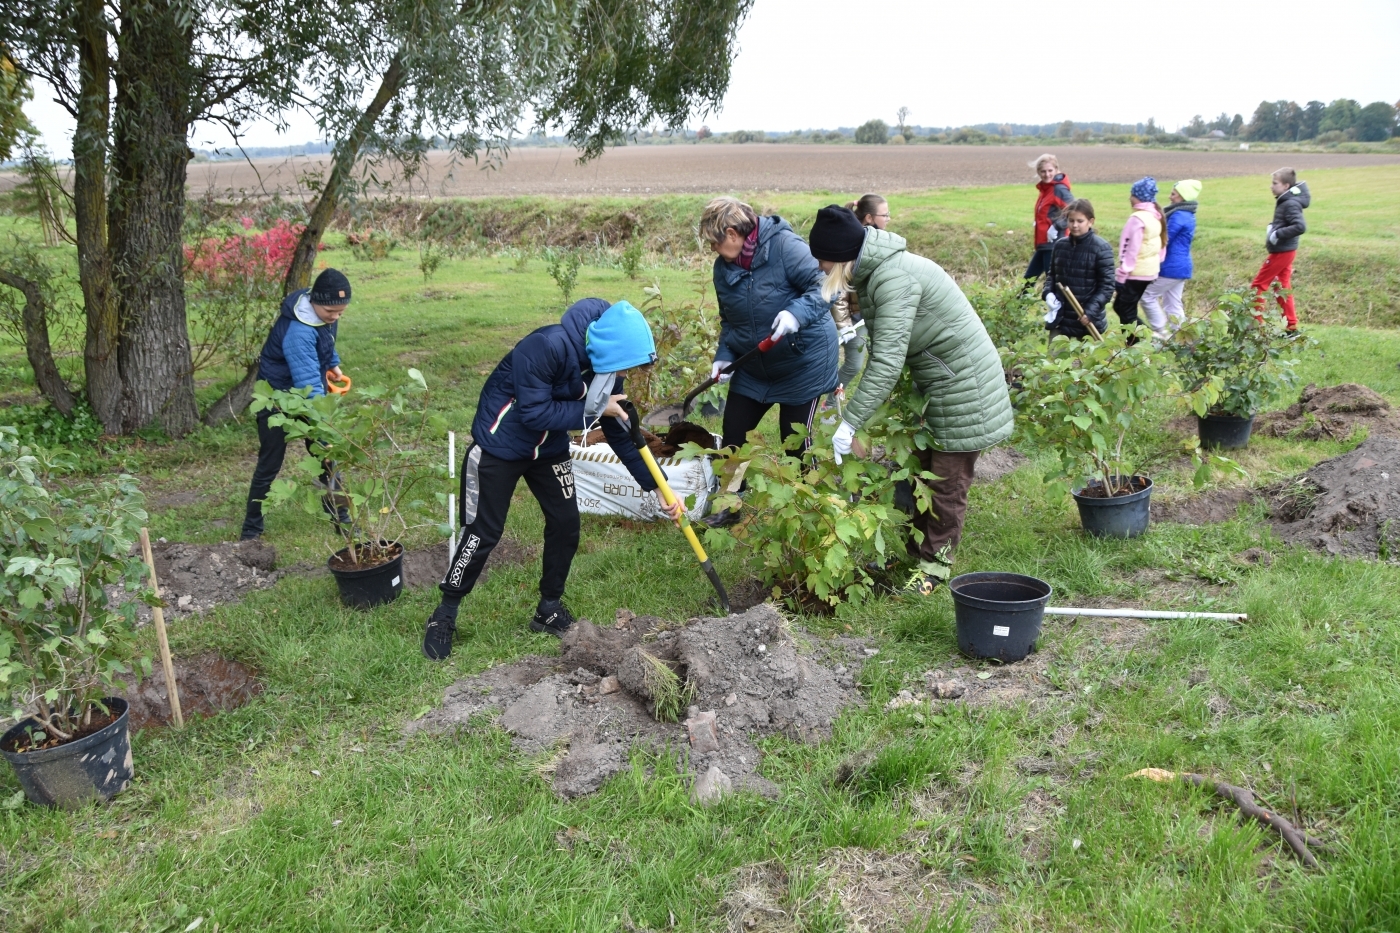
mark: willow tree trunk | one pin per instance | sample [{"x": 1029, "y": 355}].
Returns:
[
  {"x": 100, "y": 364},
  {"x": 346, "y": 153},
  {"x": 148, "y": 211},
  {"x": 36, "y": 343}
]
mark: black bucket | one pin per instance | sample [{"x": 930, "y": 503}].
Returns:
[
  {"x": 1116, "y": 516},
  {"x": 369, "y": 586},
  {"x": 1224, "y": 432},
  {"x": 998, "y": 614},
  {"x": 94, "y": 767}
]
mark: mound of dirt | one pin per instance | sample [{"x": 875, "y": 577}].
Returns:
[
  {"x": 1347, "y": 505},
  {"x": 196, "y": 577},
  {"x": 742, "y": 677},
  {"x": 682, "y": 432},
  {"x": 1332, "y": 412},
  {"x": 209, "y": 683},
  {"x": 995, "y": 462}
]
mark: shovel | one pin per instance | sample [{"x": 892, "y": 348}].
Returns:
[
  {"x": 764, "y": 345},
  {"x": 1084, "y": 321},
  {"x": 633, "y": 424}
]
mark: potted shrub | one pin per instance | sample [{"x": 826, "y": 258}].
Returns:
[
  {"x": 367, "y": 455},
  {"x": 1083, "y": 400},
  {"x": 64, "y": 644},
  {"x": 1251, "y": 360}
]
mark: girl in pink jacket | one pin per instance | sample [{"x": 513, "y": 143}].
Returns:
[{"x": 1141, "y": 250}]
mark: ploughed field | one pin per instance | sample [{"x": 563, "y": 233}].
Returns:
[{"x": 774, "y": 167}]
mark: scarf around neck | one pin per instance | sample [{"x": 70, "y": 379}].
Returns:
[{"x": 745, "y": 259}]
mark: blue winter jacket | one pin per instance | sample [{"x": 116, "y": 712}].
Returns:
[
  {"x": 297, "y": 355},
  {"x": 1181, "y": 230},
  {"x": 534, "y": 397},
  {"x": 784, "y": 277}
]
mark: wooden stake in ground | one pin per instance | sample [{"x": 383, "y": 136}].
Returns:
[
  {"x": 1244, "y": 799},
  {"x": 159, "y": 615}
]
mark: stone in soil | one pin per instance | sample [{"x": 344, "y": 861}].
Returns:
[
  {"x": 1347, "y": 505},
  {"x": 1331, "y": 412},
  {"x": 197, "y": 577},
  {"x": 209, "y": 683},
  {"x": 749, "y": 671}
]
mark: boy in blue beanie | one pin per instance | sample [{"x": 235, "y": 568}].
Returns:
[
  {"x": 298, "y": 354},
  {"x": 562, "y": 377}
]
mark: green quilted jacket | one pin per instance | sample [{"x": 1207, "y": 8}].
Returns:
[{"x": 915, "y": 315}]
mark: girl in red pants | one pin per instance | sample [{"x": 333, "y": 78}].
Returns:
[{"x": 1281, "y": 240}]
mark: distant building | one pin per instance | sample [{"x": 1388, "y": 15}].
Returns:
[{"x": 1216, "y": 134}]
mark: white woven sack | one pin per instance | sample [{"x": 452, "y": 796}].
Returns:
[{"x": 605, "y": 487}]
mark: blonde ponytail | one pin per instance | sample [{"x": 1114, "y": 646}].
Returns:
[{"x": 837, "y": 281}]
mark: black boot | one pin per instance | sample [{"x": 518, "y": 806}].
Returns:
[
  {"x": 552, "y": 617},
  {"x": 437, "y": 637}
]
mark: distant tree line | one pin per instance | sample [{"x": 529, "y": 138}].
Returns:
[{"x": 1285, "y": 121}]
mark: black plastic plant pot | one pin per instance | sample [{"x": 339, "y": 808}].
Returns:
[
  {"x": 998, "y": 615},
  {"x": 364, "y": 587},
  {"x": 1224, "y": 432},
  {"x": 1124, "y": 516},
  {"x": 94, "y": 767}
]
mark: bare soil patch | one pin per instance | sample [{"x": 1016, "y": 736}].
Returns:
[
  {"x": 197, "y": 577},
  {"x": 641, "y": 170},
  {"x": 209, "y": 683},
  {"x": 425, "y": 567},
  {"x": 1347, "y": 505},
  {"x": 1206, "y": 508},
  {"x": 996, "y": 462},
  {"x": 1333, "y": 412},
  {"x": 742, "y": 677}
]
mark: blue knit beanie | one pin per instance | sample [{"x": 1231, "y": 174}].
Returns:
[
  {"x": 1145, "y": 189},
  {"x": 620, "y": 339}
]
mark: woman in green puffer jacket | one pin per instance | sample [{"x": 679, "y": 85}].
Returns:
[{"x": 916, "y": 316}]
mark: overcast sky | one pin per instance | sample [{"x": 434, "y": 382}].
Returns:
[{"x": 821, "y": 63}]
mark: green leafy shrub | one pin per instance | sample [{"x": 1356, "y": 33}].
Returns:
[
  {"x": 1009, "y": 316},
  {"x": 42, "y": 425},
  {"x": 380, "y": 444},
  {"x": 563, "y": 266},
  {"x": 430, "y": 257},
  {"x": 686, "y": 333},
  {"x": 813, "y": 525},
  {"x": 1084, "y": 398},
  {"x": 632, "y": 257},
  {"x": 873, "y": 132},
  {"x": 1254, "y": 360},
  {"x": 64, "y": 645},
  {"x": 372, "y": 246}
]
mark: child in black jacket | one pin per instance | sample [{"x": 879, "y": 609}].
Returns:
[{"x": 1081, "y": 261}]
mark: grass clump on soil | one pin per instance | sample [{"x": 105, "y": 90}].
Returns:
[
  {"x": 306, "y": 809},
  {"x": 669, "y": 694}
]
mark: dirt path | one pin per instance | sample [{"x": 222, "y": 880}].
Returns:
[{"x": 640, "y": 170}]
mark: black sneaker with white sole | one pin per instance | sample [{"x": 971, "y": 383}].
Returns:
[
  {"x": 552, "y": 617},
  {"x": 437, "y": 637}
]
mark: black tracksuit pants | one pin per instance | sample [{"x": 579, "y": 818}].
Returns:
[
  {"x": 272, "y": 450},
  {"x": 489, "y": 482},
  {"x": 742, "y": 414}
]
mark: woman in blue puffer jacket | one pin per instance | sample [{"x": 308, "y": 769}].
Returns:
[
  {"x": 767, "y": 283},
  {"x": 1166, "y": 311}
]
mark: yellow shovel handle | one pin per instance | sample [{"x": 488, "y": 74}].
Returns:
[{"x": 669, "y": 497}]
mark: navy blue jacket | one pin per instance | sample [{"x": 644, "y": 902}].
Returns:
[
  {"x": 534, "y": 397},
  {"x": 297, "y": 355},
  {"x": 784, "y": 277},
  {"x": 1181, "y": 230}
]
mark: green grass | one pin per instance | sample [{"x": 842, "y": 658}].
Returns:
[{"x": 227, "y": 820}]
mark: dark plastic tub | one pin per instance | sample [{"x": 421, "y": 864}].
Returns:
[
  {"x": 1118, "y": 516},
  {"x": 369, "y": 586},
  {"x": 94, "y": 767},
  {"x": 1224, "y": 432},
  {"x": 998, "y": 614}
]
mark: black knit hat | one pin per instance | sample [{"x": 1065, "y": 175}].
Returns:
[
  {"x": 837, "y": 235},
  {"x": 331, "y": 288}
]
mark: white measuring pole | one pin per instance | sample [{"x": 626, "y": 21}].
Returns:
[
  {"x": 451, "y": 497},
  {"x": 1145, "y": 614}
]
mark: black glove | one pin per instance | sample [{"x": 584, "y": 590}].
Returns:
[{"x": 634, "y": 422}]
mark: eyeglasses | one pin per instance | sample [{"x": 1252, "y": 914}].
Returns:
[{"x": 885, "y": 215}]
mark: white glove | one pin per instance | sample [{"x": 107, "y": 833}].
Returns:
[
  {"x": 846, "y": 333},
  {"x": 715, "y": 374},
  {"x": 1273, "y": 237},
  {"x": 1052, "y": 302},
  {"x": 841, "y": 440},
  {"x": 785, "y": 323},
  {"x": 1052, "y": 234}
]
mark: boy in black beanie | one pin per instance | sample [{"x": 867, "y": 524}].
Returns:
[{"x": 299, "y": 354}]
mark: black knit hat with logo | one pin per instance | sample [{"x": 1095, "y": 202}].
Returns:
[
  {"x": 837, "y": 235},
  {"x": 331, "y": 288}
]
